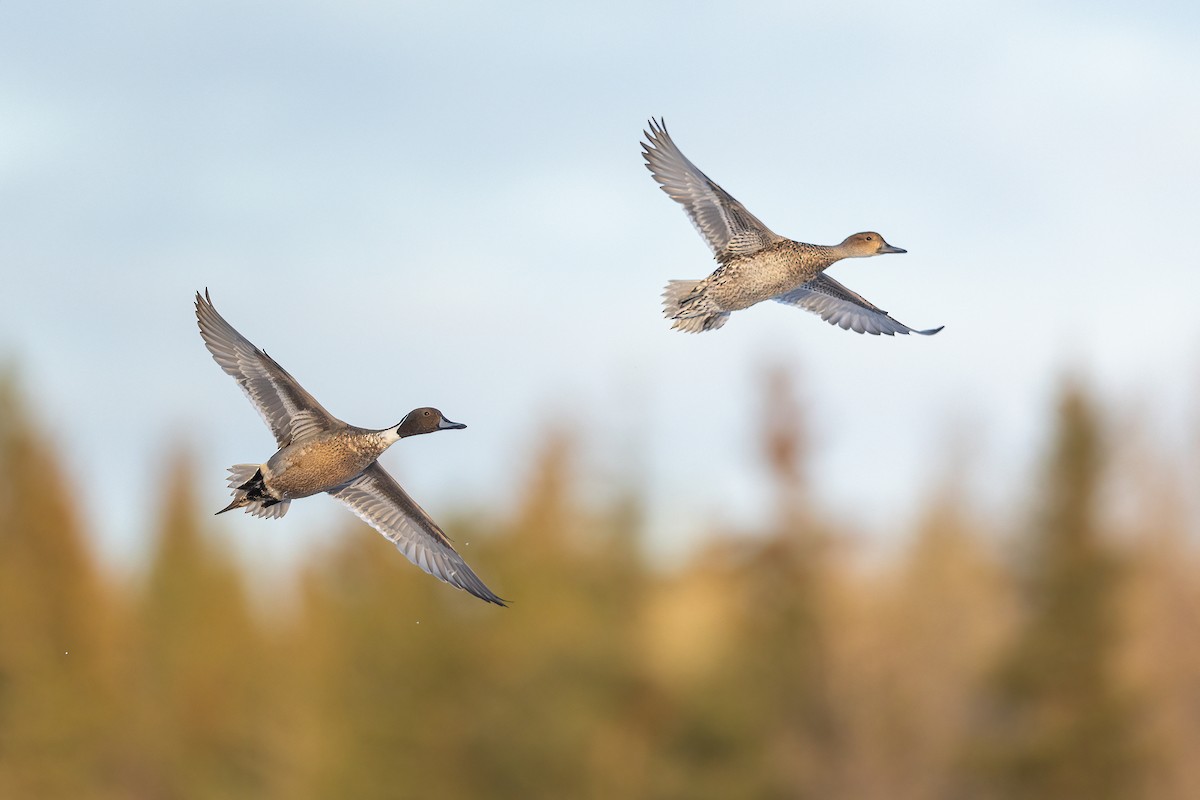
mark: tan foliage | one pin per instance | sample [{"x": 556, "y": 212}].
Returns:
[{"x": 784, "y": 662}]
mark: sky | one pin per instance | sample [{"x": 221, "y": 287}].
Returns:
[{"x": 444, "y": 204}]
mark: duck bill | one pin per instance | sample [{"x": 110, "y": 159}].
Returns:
[
  {"x": 447, "y": 425},
  {"x": 887, "y": 248}
]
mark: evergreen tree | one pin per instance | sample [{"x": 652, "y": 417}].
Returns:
[
  {"x": 199, "y": 673},
  {"x": 786, "y": 624},
  {"x": 763, "y": 725},
  {"x": 387, "y": 652},
  {"x": 569, "y": 731},
  {"x": 537, "y": 700},
  {"x": 1057, "y": 725},
  {"x": 938, "y": 630},
  {"x": 56, "y": 690}
]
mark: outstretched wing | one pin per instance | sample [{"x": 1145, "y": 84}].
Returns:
[
  {"x": 378, "y": 499},
  {"x": 839, "y": 306},
  {"x": 290, "y": 412},
  {"x": 725, "y": 224}
]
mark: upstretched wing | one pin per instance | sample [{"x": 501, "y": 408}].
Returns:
[
  {"x": 378, "y": 499},
  {"x": 839, "y": 306},
  {"x": 290, "y": 412},
  {"x": 725, "y": 224}
]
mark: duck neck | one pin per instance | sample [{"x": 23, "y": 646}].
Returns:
[{"x": 830, "y": 253}]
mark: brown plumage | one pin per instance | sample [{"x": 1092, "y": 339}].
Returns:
[
  {"x": 320, "y": 453},
  {"x": 756, "y": 263}
]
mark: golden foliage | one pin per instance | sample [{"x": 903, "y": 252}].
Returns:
[{"x": 773, "y": 663}]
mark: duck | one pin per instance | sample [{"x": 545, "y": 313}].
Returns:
[
  {"x": 320, "y": 453},
  {"x": 755, "y": 263}
]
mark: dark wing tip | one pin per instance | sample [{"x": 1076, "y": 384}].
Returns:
[
  {"x": 932, "y": 331},
  {"x": 473, "y": 585},
  {"x": 204, "y": 304},
  {"x": 658, "y": 131},
  {"x": 491, "y": 598}
]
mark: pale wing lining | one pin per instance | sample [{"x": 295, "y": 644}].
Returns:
[
  {"x": 723, "y": 222},
  {"x": 381, "y": 503},
  {"x": 289, "y": 411},
  {"x": 847, "y": 309}
]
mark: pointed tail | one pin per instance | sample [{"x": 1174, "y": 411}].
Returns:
[
  {"x": 238, "y": 502},
  {"x": 250, "y": 493},
  {"x": 691, "y": 311}
]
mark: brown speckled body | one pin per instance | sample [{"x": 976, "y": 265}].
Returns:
[
  {"x": 757, "y": 264},
  {"x": 322, "y": 462},
  {"x": 742, "y": 281}
]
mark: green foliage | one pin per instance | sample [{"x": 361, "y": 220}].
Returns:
[
  {"x": 197, "y": 665},
  {"x": 771, "y": 665},
  {"x": 1057, "y": 725},
  {"x": 55, "y": 635}
]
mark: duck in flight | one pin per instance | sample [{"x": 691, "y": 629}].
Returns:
[
  {"x": 756, "y": 264},
  {"x": 320, "y": 453}
]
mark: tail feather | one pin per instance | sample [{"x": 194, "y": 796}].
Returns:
[
  {"x": 242, "y": 474},
  {"x": 673, "y": 296},
  {"x": 692, "y": 312},
  {"x": 709, "y": 322},
  {"x": 273, "y": 511},
  {"x": 250, "y": 493}
]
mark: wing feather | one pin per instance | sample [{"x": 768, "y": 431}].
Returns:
[
  {"x": 289, "y": 411},
  {"x": 725, "y": 224},
  {"x": 381, "y": 503},
  {"x": 849, "y": 310}
]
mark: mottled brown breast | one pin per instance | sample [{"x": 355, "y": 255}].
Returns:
[
  {"x": 321, "y": 463},
  {"x": 784, "y": 266}
]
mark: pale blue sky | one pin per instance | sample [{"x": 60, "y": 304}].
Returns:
[{"x": 444, "y": 203}]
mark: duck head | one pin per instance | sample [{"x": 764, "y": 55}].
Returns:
[
  {"x": 424, "y": 420},
  {"x": 868, "y": 243}
]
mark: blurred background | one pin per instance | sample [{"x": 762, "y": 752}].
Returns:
[{"x": 779, "y": 560}]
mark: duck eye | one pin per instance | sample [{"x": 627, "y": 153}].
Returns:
[{"x": 870, "y": 238}]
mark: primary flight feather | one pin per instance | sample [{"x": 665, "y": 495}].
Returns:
[{"x": 320, "y": 453}]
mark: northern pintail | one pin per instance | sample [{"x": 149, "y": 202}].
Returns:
[
  {"x": 756, "y": 264},
  {"x": 320, "y": 453}
]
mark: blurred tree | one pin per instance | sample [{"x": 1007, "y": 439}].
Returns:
[
  {"x": 1162, "y": 612},
  {"x": 56, "y": 676},
  {"x": 198, "y": 667},
  {"x": 939, "y": 618},
  {"x": 769, "y": 666},
  {"x": 786, "y": 645},
  {"x": 565, "y": 653},
  {"x": 429, "y": 693},
  {"x": 1057, "y": 726},
  {"x": 761, "y": 724},
  {"x": 784, "y": 443},
  {"x": 385, "y": 652}
]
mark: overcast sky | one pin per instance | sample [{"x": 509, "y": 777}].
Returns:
[{"x": 444, "y": 203}]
